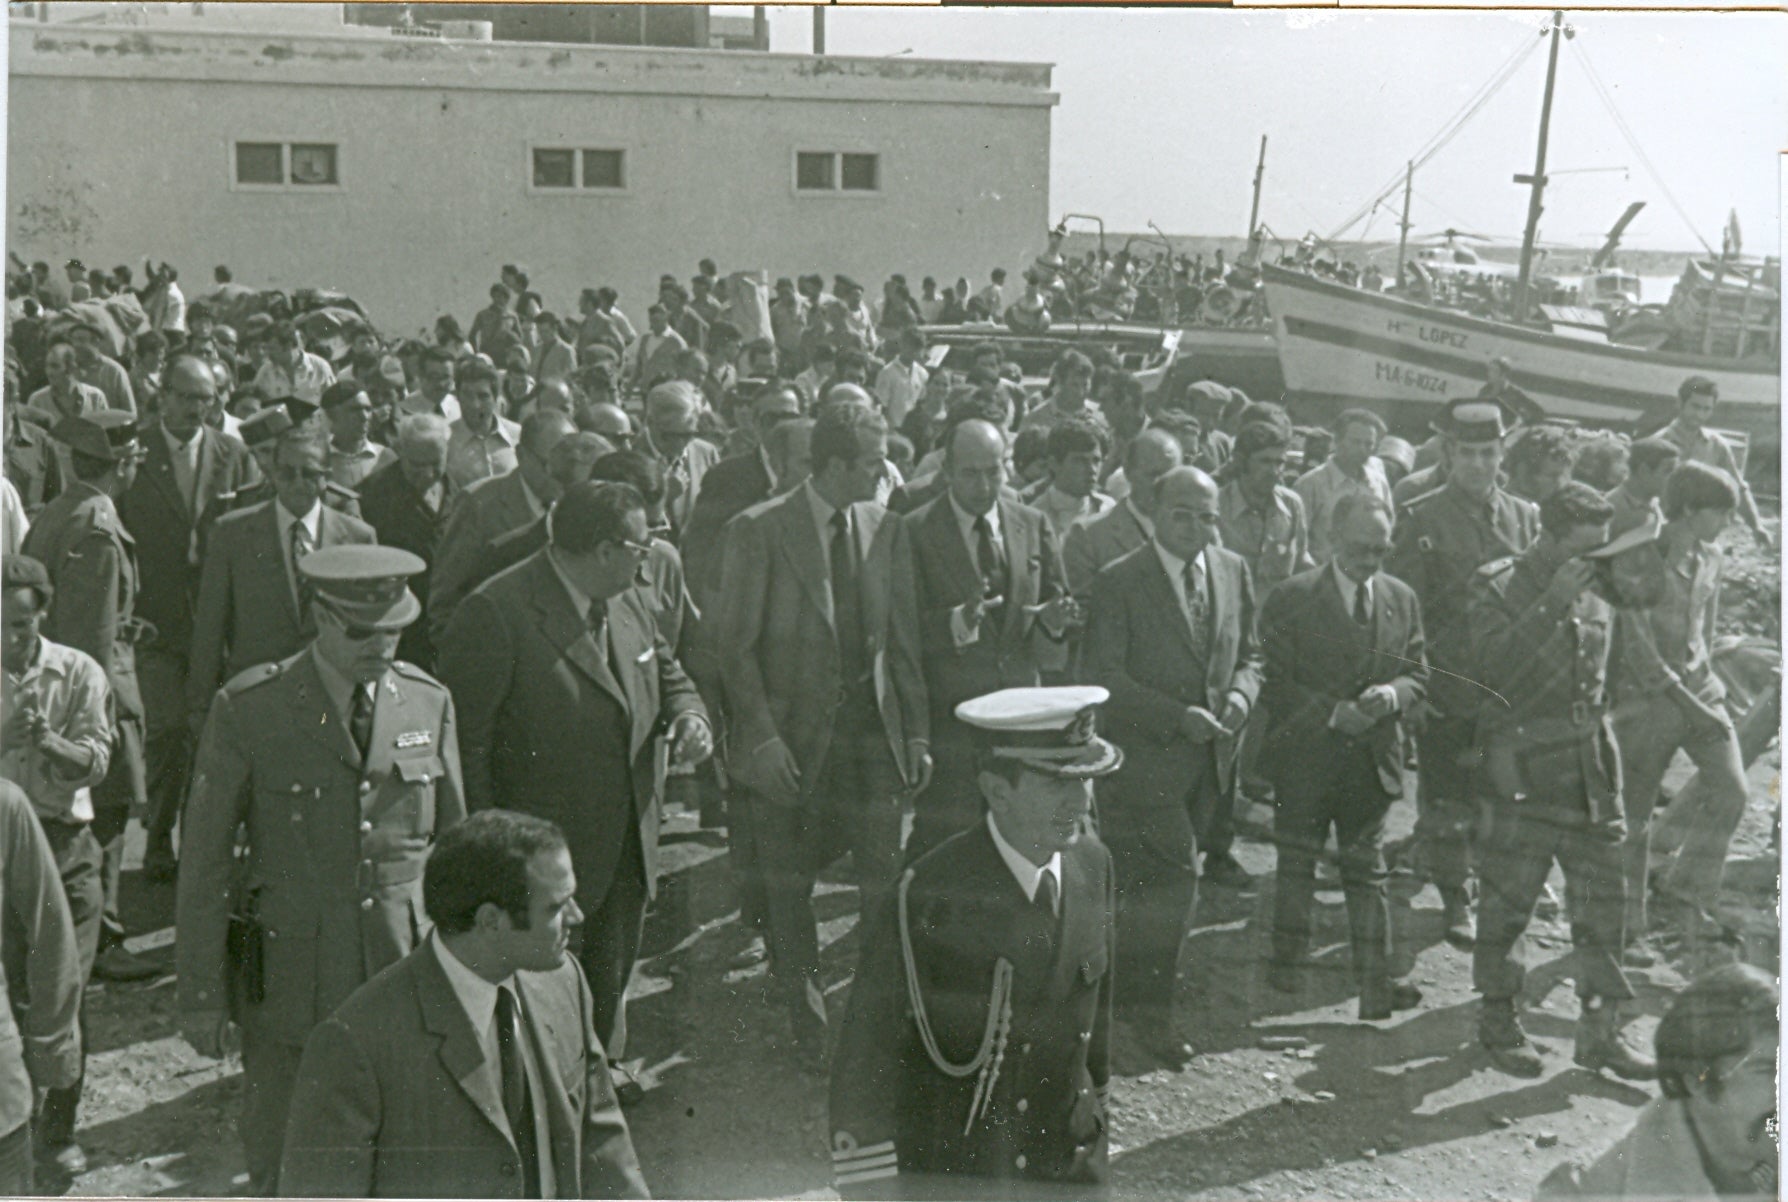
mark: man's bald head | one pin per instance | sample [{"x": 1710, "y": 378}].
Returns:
[
  {"x": 608, "y": 420},
  {"x": 555, "y": 394},
  {"x": 1186, "y": 514},
  {"x": 574, "y": 457},
  {"x": 188, "y": 393},
  {"x": 847, "y": 392},
  {"x": 672, "y": 402},
  {"x": 1183, "y": 484},
  {"x": 542, "y": 430},
  {"x": 1151, "y": 454},
  {"x": 975, "y": 464}
]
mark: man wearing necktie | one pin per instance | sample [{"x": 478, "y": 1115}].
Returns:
[
  {"x": 472, "y": 1068},
  {"x": 993, "y": 606},
  {"x": 565, "y": 687},
  {"x": 342, "y": 762},
  {"x": 1171, "y": 633},
  {"x": 818, "y": 633},
  {"x": 1344, "y": 663},
  {"x": 974, "y": 1060}
]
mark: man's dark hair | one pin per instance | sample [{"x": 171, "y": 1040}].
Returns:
[
  {"x": 1071, "y": 360},
  {"x": 1541, "y": 444},
  {"x": 1354, "y": 501},
  {"x": 1073, "y": 438},
  {"x": 473, "y": 370},
  {"x": 1648, "y": 453},
  {"x": 221, "y": 274},
  {"x": 500, "y": 293},
  {"x": 485, "y": 859},
  {"x": 851, "y": 357},
  {"x": 151, "y": 343},
  {"x": 1264, "y": 411},
  {"x": 1574, "y": 504},
  {"x": 1256, "y": 437},
  {"x": 635, "y": 468},
  {"x": 282, "y": 333},
  {"x": 723, "y": 331},
  {"x": 22, "y": 571},
  {"x": 1031, "y": 445},
  {"x": 437, "y": 354},
  {"x": 1352, "y": 417},
  {"x": 841, "y": 428},
  {"x": 1720, "y": 1014},
  {"x": 1693, "y": 385},
  {"x": 1695, "y": 486},
  {"x": 591, "y": 514}
]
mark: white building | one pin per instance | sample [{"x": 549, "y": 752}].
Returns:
[{"x": 406, "y": 170}]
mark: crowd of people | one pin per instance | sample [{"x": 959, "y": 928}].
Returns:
[{"x": 397, "y": 649}]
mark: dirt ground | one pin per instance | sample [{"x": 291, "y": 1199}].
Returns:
[{"x": 1406, "y": 1109}]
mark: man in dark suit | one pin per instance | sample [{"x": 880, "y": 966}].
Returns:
[
  {"x": 1344, "y": 663},
  {"x": 471, "y": 1069},
  {"x": 489, "y": 510},
  {"x": 406, "y": 502},
  {"x": 187, "y": 467},
  {"x": 997, "y": 946},
  {"x": 566, "y": 687},
  {"x": 1171, "y": 632},
  {"x": 991, "y": 593},
  {"x": 820, "y": 646},
  {"x": 252, "y": 606},
  {"x": 730, "y": 488}
]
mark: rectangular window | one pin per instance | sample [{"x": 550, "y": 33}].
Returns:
[
  {"x": 287, "y": 164},
  {"x": 837, "y": 171},
  {"x": 596, "y": 170}
]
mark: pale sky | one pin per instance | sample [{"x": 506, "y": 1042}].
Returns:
[{"x": 1161, "y": 114}]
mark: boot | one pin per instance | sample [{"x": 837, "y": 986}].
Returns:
[
  {"x": 1601, "y": 1045},
  {"x": 1499, "y": 1030},
  {"x": 1462, "y": 932}
]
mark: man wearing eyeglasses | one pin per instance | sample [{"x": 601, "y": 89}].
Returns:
[
  {"x": 187, "y": 467},
  {"x": 673, "y": 426},
  {"x": 342, "y": 764},
  {"x": 566, "y": 686},
  {"x": 251, "y": 606}
]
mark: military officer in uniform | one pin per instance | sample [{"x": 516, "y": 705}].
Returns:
[
  {"x": 343, "y": 763},
  {"x": 1540, "y": 634},
  {"x": 974, "y": 1056},
  {"x": 261, "y": 433},
  {"x": 1442, "y": 538}
]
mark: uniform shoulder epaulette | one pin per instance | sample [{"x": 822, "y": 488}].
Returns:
[
  {"x": 1422, "y": 498},
  {"x": 410, "y": 671},
  {"x": 1496, "y": 567},
  {"x": 248, "y": 678}
]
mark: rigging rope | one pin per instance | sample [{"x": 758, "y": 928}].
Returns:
[
  {"x": 1607, "y": 99},
  {"x": 1439, "y": 140}
]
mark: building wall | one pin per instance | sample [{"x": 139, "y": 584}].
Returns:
[{"x": 121, "y": 142}]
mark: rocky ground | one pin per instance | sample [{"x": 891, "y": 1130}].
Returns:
[{"x": 1407, "y": 1109}]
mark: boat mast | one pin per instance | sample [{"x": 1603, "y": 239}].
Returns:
[
  {"x": 1254, "y": 213},
  {"x": 1403, "y": 229},
  {"x": 1538, "y": 178}
]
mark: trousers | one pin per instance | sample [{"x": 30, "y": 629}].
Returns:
[
  {"x": 168, "y": 744},
  {"x": 608, "y": 944},
  {"x": 16, "y": 1176},
  {"x": 269, "y": 1072},
  {"x": 80, "y": 864},
  {"x": 1354, "y": 804},
  {"x": 1445, "y": 809}
]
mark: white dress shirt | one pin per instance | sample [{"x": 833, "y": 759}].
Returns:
[
  {"x": 1027, "y": 874},
  {"x": 822, "y": 510},
  {"x": 960, "y": 632},
  {"x": 1349, "y": 588},
  {"x": 313, "y": 529}
]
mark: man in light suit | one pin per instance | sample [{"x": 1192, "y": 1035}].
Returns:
[
  {"x": 342, "y": 765},
  {"x": 565, "y": 687},
  {"x": 731, "y": 487},
  {"x": 1171, "y": 633},
  {"x": 1090, "y": 544},
  {"x": 471, "y": 1069},
  {"x": 251, "y": 608},
  {"x": 1344, "y": 664},
  {"x": 489, "y": 510},
  {"x": 820, "y": 661},
  {"x": 673, "y": 427},
  {"x": 992, "y": 597},
  {"x": 186, "y": 468}
]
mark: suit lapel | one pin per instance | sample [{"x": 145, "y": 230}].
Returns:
[
  {"x": 1383, "y": 620},
  {"x": 947, "y": 535},
  {"x": 800, "y": 542},
  {"x": 287, "y": 573},
  {"x": 460, "y": 1050},
  {"x": 561, "y": 1123},
  {"x": 1166, "y": 599},
  {"x": 634, "y": 635},
  {"x": 866, "y": 525},
  {"x": 1016, "y": 534},
  {"x": 564, "y": 629},
  {"x": 210, "y": 451},
  {"x": 160, "y": 470}
]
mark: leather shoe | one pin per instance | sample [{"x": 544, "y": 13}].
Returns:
[
  {"x": 67, "y": 1161},
  {"x": 1393, "y": 996},
  {"x": 117, "y": 963},
  {"x": 1461, "y": 931},
  {"x": 160, "y": 866},
  {"x": 1226, "y": 871}
]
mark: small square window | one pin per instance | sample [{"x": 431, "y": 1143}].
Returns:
[
  {"x": 260, "y": 163},
  {"x": 555, "y": 169},
  {"x": 313, "y": 163},
  {"x": 813, "y": 171},
  {"x": 860, "y": 172},
  {"x": 602, "y": 169}
]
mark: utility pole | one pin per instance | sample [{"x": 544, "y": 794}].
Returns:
[
  {"x": 819, "y": 29},
  {"x": 1538, "y": 179},
  {"x": 1409, "y": 176},
  {"x": 1259, "y": 172}
]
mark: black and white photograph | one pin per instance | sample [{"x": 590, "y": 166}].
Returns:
[{"x": 869, "y": 601}]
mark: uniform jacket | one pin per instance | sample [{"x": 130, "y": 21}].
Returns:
[
  {"x": 42, "y": 1045},
  {"x": 1139, "y": 646},
  {"x": 549, "y": 730},
  {"x": 247, "y": 614},
  {"x": 1045, "y": 1122},
  {"x": 482, "y": 514},
  {"x": 397, "y": 515},
  {"x": 335, "y": 844},
  {"x": 777, "y": 632},
  {"x": 1008, "y": 652},
  {"x": 1442, "y": 538},
  {"x": 1547, "y": 726},
  {"x": 1090, "y": 545},
  {"x": 92, "y": 561},
  {"x": 395, "y": 1099},
  {"x": 166, "y": 529},
  {"x": 1317, "y": 656}
]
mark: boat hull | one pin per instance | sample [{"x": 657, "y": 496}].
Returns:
[
  {"x": 1339, "y": 344},
  {"x": 1241, "y": 358}
]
